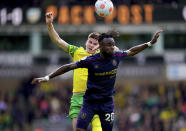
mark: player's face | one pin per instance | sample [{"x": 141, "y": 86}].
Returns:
[
  {"x": 91, "y": 44},
  {"x": 107, "y": 47}
]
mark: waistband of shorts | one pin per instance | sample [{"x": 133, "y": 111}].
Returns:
[
  {"x": 99, "y": 101},
  {"x": 74, "y": 93},
  {"x": 78, "y": 94}
]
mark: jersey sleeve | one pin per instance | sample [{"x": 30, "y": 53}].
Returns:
[
  {"x": 121, "y": 54},
  {"x": 83, "y": 63},
  {"x": 71, "y": 50},
  {"x": 124, "y": 54}
]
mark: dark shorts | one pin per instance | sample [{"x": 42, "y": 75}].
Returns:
[{"x": 104, "y": 110}]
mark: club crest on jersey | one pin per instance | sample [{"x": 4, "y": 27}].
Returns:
[
  {"x": 96, "y": 66},
  {"x": 83, "y": 115},
  {"x": 114, "y": 62}
]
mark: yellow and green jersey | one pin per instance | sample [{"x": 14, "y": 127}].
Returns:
[{"x": 80, "y": 75}]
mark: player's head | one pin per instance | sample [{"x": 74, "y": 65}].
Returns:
[
  {"x": 92, "y": 42},
  {"x": 107, "y": 43}
]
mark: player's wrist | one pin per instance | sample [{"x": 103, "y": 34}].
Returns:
[
  {"x": 47, "y": 78},
  {"x": 49, "y": 24},
  {"x": 149, "y": 44}
]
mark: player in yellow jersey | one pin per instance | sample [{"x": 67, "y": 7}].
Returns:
[{"x": 80, "y": 75}]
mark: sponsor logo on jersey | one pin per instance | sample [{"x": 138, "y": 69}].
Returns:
[{"x": 112, "y": 72}]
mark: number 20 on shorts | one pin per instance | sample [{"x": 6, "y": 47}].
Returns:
[{"x": 109, "y": 117}]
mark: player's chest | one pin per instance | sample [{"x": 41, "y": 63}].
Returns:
[{"x": 104, "y": 65}]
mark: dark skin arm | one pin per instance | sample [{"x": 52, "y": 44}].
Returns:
[
  {"x": 61, "y": 70},
  {"x": 136, "y": 49}
]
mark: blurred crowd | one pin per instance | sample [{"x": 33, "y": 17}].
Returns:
[
  {"x": 140, "y": 107},
  {"x": 151, "y": 107},
  {"x": 20, "y": 107}
]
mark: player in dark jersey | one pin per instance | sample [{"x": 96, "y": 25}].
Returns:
[{"x": 102, "y": 68}]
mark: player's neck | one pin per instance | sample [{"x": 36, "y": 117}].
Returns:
[{"x": 105, "y": 56}]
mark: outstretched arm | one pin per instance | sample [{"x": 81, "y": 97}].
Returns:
[
  {"x": 53, "y": 34},
  {"x": 136, "y": 49},
  {"x": 63, "y": 69}
]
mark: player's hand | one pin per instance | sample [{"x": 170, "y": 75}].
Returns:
[
  {"x": 156, "y": 36},
  {"x": 38, "y": 80},
  {"x": 49, "y": 17}
]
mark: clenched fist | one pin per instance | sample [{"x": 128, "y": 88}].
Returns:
[{"x": 49, "y": 17}]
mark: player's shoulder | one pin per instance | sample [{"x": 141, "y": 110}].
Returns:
[
  {"x": 92, "y": 57},
  {"x": 71, "y": 46},
  {"x": 97, "y": 55},
  {"x": 120, "y": 53},
  {"x": 81, "y": 50}
]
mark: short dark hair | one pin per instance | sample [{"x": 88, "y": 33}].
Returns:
[
  {"x": 109, "y": 34},
  {"x": 94, "y": 35}
]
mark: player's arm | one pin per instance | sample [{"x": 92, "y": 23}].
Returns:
[
  {"x": 53, "y": 34},
  {"x": 136, "y": 49},
  {"x": 61, "y": 70}
]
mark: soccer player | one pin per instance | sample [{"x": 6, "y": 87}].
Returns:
[
  {"x": 80, "y": 75},
  {"x": 102, "y": 68}
]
